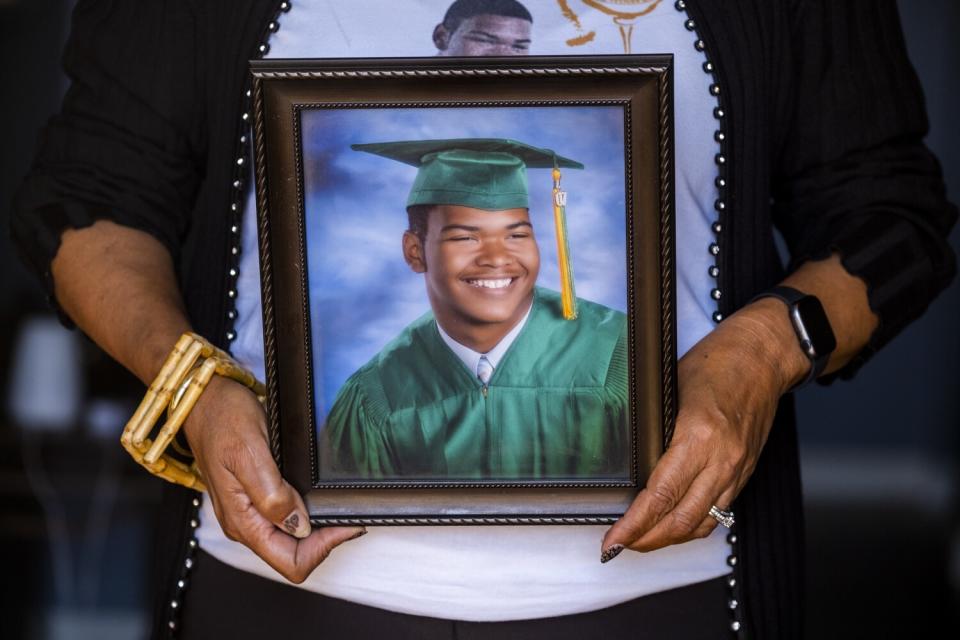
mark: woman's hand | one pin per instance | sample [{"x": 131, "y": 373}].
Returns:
[
  {"x": 119, "y": 285},
  {"x": 729, "y": 385},
  {"x": 254, "y": 504}
]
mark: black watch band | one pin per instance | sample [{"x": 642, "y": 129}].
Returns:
[{"x": 811, "y": 325}]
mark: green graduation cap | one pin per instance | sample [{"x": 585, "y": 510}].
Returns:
[{"x": 484, "y": 173}]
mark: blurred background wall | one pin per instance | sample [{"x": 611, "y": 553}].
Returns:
[{"x": 880, "y": 452}]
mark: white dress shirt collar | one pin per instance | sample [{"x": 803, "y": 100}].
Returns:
[{"x": 471, "y": 358}]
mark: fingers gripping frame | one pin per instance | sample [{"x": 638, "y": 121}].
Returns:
[{"x": 185, "y": 374}]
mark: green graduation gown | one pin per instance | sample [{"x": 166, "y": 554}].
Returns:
[{"x": 555, "y": 407}]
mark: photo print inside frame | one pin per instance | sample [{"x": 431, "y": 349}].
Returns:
[{"x": 441, "y": 349}]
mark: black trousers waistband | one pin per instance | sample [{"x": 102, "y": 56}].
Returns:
[{"x": 223, "y": 602}]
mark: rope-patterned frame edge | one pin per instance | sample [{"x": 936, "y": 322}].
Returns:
[
  {"x": 485, "y": 520},
  {"x": 266, "y": 275},
  {"x": 667, "y": 327},
  {"x": 436, "y": 73}
]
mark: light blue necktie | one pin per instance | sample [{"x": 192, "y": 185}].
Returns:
[{"x": 484, "y": 370}]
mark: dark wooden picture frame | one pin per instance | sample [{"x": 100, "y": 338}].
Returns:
[{"x": 641, "y": 86}]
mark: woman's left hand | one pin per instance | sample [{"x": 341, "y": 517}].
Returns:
[{"x": 729, "y": 385}]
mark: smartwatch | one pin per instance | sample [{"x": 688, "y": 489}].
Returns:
[{"x": 811, "y": 325}]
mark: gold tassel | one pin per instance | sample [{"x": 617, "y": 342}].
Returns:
[{"x": 568, "y": 297}]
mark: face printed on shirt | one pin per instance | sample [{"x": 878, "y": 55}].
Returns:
[
  {"x": 480, "y": 266},
  {"x": 484, "y": 35}
]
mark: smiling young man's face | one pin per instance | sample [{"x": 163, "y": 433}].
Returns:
[{"x": 480, "y": 269}]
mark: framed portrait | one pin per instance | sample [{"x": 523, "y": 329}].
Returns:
[{"x": 467, "y": 279}]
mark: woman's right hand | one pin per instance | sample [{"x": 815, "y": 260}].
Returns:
[
  {"x": 255, "y": 506},
  {"x": 120, "y": 286}
]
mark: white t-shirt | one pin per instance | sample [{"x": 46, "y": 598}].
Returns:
[{"x": 512, "y": 572}]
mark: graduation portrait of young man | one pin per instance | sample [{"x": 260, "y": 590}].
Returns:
[{"x": 502, "y": 379}]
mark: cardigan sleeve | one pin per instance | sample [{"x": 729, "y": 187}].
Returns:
[
  {"x": 853, "y": 175},
  {"x": 124, "y": 146}
]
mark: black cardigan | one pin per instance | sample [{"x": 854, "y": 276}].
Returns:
[{"x": 823, "y": 121}]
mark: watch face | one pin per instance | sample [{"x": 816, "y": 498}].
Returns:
[{"x": 815, "y": 325}]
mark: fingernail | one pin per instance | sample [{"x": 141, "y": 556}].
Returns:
[
  {"x": 611, "y": 552},
  {"x": 297, "y": 524},
  {"x": 362, "y": 532}
]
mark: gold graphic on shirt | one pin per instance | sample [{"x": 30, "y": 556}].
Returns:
[
  {"x": 624, "y": 13},
  {"x": 572, "y": 17}
]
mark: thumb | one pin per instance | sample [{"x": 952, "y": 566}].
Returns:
[
  {"x": 272, "y": 496},
  {"x": 300, "y": 557},
  {"x": 667, "y": 483}
]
